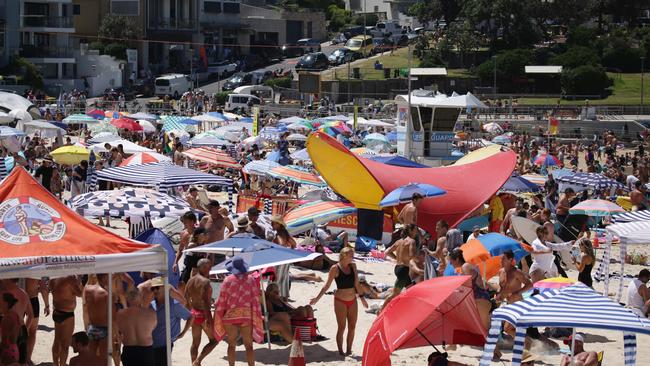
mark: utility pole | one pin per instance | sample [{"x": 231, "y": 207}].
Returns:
[{"x": 642, "y": 72}]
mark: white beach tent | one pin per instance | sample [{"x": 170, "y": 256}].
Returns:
[{"x": 576, "y": 306}]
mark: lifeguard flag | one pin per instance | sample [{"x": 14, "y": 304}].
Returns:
[{"x": 553, "y": 126}]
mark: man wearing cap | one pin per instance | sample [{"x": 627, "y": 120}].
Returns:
[
  {"x": 253, "y": 226},
  {"x": 177, "y": 312},
  {"x": 215, "y": 223},
  {"x": 45, "y": 172},
  {"x": 581, "y": 357}
]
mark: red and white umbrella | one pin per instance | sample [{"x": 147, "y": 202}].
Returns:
[
  {"x": 145, "y": 158},
  {"x": 212, "y": 156}
]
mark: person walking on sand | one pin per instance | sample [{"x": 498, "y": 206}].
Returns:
[
  {"x": 33, "y": 287},
  {"x": 345, "y": 298},
  {"x": 65, "y": 291},
  {"x": 238, "y": 312},
  {"x": 135, "y": 325},
  {"x": 402, "y": 252},
  {"x": 198, "y": 295},
  {"x": 95, "y": 302}
]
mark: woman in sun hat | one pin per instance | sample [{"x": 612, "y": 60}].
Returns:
[{"x": 238, "y": 310}]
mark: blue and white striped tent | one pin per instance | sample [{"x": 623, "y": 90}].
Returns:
[
  {"x": 160, "y": 175},
  {"x": 593, "y": 181},
  {"x": 643, "y": 215},
  {"x": 171, "y": 123},
  {"x": 636, "y": 232},
  {"x": 576, "y": 306}
]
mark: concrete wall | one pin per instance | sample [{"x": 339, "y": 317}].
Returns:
[
  {"x": 11, "y": 14},
  {"x": 101, "y": 71},
  {"x": 274, "y": 21}
]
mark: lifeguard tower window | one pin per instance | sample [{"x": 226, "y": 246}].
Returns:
[
  {"x": 425, "y": 115},
  {"x": 445, "y": 119},
  {"x": 415, "y": 118}
]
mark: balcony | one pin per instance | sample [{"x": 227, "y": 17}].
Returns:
[
  {"x": 32, "y": 51},
  {"x": 43, "y": 21},
  {"x": 172, "y": 24}
]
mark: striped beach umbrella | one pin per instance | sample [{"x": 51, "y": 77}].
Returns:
[
  {"x": 537, "y": 179},
  {"x": 642, "y": 215},
  {"x": 598, "y": 208},
  {"x": 79, "y": 119},
  {"x": 297, "y": 174},
  {"x": 518, "y": 184},
  {"x": 145, "y": 158},
  {"x": 129, "y": 202},
  {"x": 304, "y": 217},
  {"x": 212, "y": 156},
  {"x": 546, "y": 160},
  {"x": 259, "y": 167},
  {"x": 160, "y": 175},
  {"x": 590, "y": 180}
]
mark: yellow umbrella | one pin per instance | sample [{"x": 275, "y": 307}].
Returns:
[{"x": 70, "y": 155}]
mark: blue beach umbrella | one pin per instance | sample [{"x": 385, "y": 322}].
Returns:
[
  {"x": 518, "y": 184},
  {"x": 262, "y": 255},
  {"x": 405, "y": 193}
]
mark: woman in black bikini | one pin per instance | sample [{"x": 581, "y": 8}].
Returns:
[
  {"x": 281, "y": 313},
  {"x": 586, "y": 262},
  {"x": 345, "y": 297}
]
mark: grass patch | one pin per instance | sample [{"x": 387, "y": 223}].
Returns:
[{"x": 399, "y": 59}]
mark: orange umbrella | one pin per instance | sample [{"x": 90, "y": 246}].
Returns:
[{"x": 485, "y": 250}]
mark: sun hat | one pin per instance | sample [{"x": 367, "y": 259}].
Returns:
[
  {"x": 253, "y": 211},
  {"x": 157, "y": 282},
  {"x": 278, "y": 220},
  {"x": 242, "y": 222},
  {"x": 528, "y": 357},
  {"x": 236, "y": 265}
]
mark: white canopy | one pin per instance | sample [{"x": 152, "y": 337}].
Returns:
[
  {"x": 129, "y": 147},
  {"x": 41, "y": 127}
]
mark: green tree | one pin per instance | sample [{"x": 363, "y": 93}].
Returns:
[
  {"x": 585, "y": 80},
  {"x": 425, "y": 11},
  {"x": 118, "y": 28},
  {"x": 338, "y": 17},
  {"x": 367, "y": 19},
  {"x": 27, "y": 72},
  {"x": 576, "y": 56},
  {"x": 510, "y": 66},
  {"x": 462, "y": 37}
]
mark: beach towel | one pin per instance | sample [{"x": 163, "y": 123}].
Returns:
[
  {"x": 239, "y": 303},
  {"x": 369, "y": 259}
]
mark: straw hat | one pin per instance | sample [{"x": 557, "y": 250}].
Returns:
[
  {"x": 242, "y": 222},
  {"x": 528, "y": 357},
  {"x": 278, "y": 220},
  {"x": 157, "y": 282}
]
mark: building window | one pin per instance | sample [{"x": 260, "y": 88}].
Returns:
[
  {"x": 212, "y": 7},
  {"x": 76, "y": 9},
  {"x": 125, "y": 7},
  {"x": 231, "y": 8}
]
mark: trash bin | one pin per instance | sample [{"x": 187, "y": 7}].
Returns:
[
  {"x": 387, "y": 73},
  {"x": 356, "y": 73}
]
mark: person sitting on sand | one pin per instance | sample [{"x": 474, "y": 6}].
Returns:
[
  {"x": 581, "y": 357},
  {"x": 321, "y": 263},
  {"x": 281, "y": 313},
  {"x": 329, "y": 239},
  {"x": 638, "y": 294}
]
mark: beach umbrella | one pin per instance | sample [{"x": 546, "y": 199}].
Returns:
[
  {"x": 171, "y": 123},
  {"x": 553, "y": 283},
  {"x": 306, "y": 216},
  {"x": 114, "y": 114},
  {"x": 5, "y": 117},
  {"x": 79, "y": 119},
  {"x": 253, "y": 140},
  {"x": 129, "y": 202},
  {"x": 294, "y": 119},
  {"x": 21, "y": 115},
  {"x": 297, "y": 126},
  {"x": 536, "y": 179},
  {"x": 207, "y": 117},
  {"x": 96, "y": 114},
  {"x": 302, "y": 155},
  {"x": 641, "y": 215},
  {"x": 230, "y": 246},
  {"x": 296, "y": 137},
  {"x": 43, "y": 128},
  {"x": 546, "y": 160},
  {"x": 143, "y": 115},
  {"x": 437, "y": 311},
  {"x": 6, "y": 132},
  {"x": 375, "y": 138},
  {"x": 263, "y": 255},
  {"x": 259, "y": 167},
  {"x": 212, "y": 156},
  {"x": 145, "y": 158},
  {"x": 518, "y": 184},
  {"x": 363, "y": 151},
  {"x": 598, "y": 208},
  {"x": 189, "y": 121},
  {"x": 590, "y": 180},
  {"x": 207, "y": 141},
  {"x": 502, "y": 139},
  {"x": 70, "y": 155},
  {"x": 102, "y": 127},
  {"x": 128, "y": 146},
  {"x": 127, "y": 124},
  {"x": 492, "y": 127},
  {"x": 103, "y": 137},
  {"x": 297, "y": 174},
  {"x": 147, "y": 126},
  {"x": 405, "y": 193},
  {"x": 485, "y": 250},
  {"x": 160, "y": 175},
  {"x": 230, "y": 133}
]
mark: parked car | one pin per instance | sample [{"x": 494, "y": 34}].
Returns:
[
  {"x": 339, "y": 39},
  {"x": 361, "y": 44},
  {"x": 251, "y": 62},
  {"x": 313, "y": 61},
  {"x": 129, "y": 94},
  {"x": 237, "y": 80},
  {"x": 240, "y": 101},
  {"x": 301, "y": 47},
  {"x": 145, "y": 87},
  {"x": 381, "y": 45},
  {"x": 221, "y": 69},
  {"x": 343, "y": 55},
  {"x": 259, "y": 77}
]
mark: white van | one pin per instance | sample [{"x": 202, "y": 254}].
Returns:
[
  {"x": 261, "y": 91},
  {"x": 241, "y": 101},
  {"x": 173, "y": 85},
  {"x": 387, "y": 27}
]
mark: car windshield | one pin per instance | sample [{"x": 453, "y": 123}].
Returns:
[
  {"x": 308, "y": 58},
  {"x": 162, "y": 82},
  {"x": 236, "y": 79},
  {"x": 354, "y": 43},
  {"x": 338, "y": 52}
]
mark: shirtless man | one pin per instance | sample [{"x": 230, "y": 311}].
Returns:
[
  {"x": 512, "y": 281},
  {"x": 135, "y": 325},
  {"x": 416, "y": 267},
  {"x": 95, "y": 302},
  {"x": 25, "y": 315},
  {"x": 33, "y": 287},
  {"x": 189, "y": 224},
  {"x": 507, "y": 220},
  {"x": 564, "y": 204},
  {"x": 198, "y": 294},
  {"x": 65, "y": 291},
  {"x": 84, "y": 356},
  {"x": 403, "y": 251},
  {"x": 193, "y": 199},
  {"x": 637, "y": 197},
  {"x": 215, "y": 223},
  {"x": 409, "y": 214},
  {"x": 581, "y": 357}
]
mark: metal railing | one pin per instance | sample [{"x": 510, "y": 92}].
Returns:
[
  {"x": 47, "y": 21},
  {"x": 172, "y": 24}
]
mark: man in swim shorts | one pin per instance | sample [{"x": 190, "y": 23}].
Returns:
[
  {"x": 95, "y": 300},
  {"x": 65, "y": 291},
  {"x": 198, "y": 294}
]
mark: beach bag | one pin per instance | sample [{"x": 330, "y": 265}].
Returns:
[
  {"x": 307, "y": 328},
  {"x": 365, "y": 244}
]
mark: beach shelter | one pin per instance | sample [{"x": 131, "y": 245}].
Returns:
[
  {"x": 576, "y": 306},
  {"x": 305, "y": 217},
  {"x": 43, "y": 128},
  {"x": 145, "y": 158},
  {"x": 642, "y": 215},
  {"x": 212, "y": 156},
  {"x": 364, "y": 182},
  {"x": 437, "y": 311},
  {"x": 157, "y": 237},
  {"x": 41, "y": 237},
  {"x": 636, "y": 232},
  {"x": 485, "y": 250},
  {"x": 581, "y": 181},
  {"x": 129, "y": 147},
  {"x": 160, "y": 175},
  {"x": 518, "y": 184}
]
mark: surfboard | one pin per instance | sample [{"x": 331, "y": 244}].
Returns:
[{"x": 526, "y": 228}]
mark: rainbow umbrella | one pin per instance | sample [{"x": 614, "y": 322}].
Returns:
[
  {"x": 598, "y": 208},
  {"x": 96, "y": 113},
  {"x": 546, "y": 160},
  {"x": 535, "y": 178},
  {"x": 296, "y": 174},
  {"x": 306, "y": 216},
  {"x": 485, "y": 250},
  {"x": 212, "y": 156},
  {"x": 114, "y": 114}
]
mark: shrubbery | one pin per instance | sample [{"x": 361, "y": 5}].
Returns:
[{"x": 585, "y": 80}]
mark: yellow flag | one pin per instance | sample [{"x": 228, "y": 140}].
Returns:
[{"x": 256, "y": 120}]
